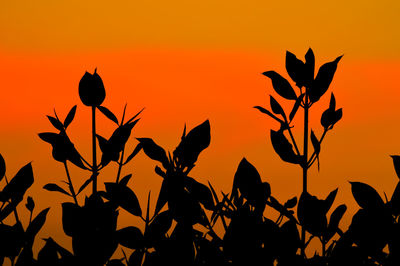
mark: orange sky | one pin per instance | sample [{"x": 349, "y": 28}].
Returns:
[{"x": 187, "y": 62}]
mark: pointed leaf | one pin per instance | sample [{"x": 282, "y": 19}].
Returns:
[
  {"x": 86, "y": 183},
  {"x": 162, "y": 196},
  {"x": 124, "y": 181},
  {"x": 108, "y": 114},
  {"x": 247, "y": 179},
  {"x": 332, "y": 102},
  {"x": 265, "y": 111},
  {"x": 30, "y": 204},
  {"x": 296, "y": 107},
  {"x": 330, "y": 199},
  {"x": 17, "y": 187},
  {"x": 315, "y": 143},
  {"x": 55, "y": 187},
  {"x": 323, "y": 80},
  {"x": 193, "y": 144},
  {"x": 296, "y": 69},
  {"x": 309, "y": 67},
  {"x": 56, "y": 123},
  {"x": 124, "y": 197},
  {"x": 137, "y": 149},
  {"x": 366, "y": 196},
  {"x": 70, "y": 117},
  {"x": 276, "y": 107},
  {"x": 36, "y": 224},
  {"x": 153, "y": 151},
  {"x": 283, "y": 148},
  {"x": 281, "y": 85},
  {"x": 334, "y": 220}
]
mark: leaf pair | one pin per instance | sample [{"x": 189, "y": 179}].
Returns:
[
  {"x": 312, "y": 211},
  {"x": 331, "y": 116},
  {"x": 63, "y": 148}
]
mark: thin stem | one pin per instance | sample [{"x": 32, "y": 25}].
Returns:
[
  {"x": 314, "y": 155},
  {"x": 304, "y": 164},
  {"x": 71, "y": 187},
  {"x": 120, "y": 164},
  {"x": 30, "y": 218},
  {"x": 94, "y": 165},
  {"x": 15, "y": 210},
  {"x": 291, "y": 136}
]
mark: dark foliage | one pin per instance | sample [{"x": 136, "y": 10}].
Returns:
[{"x": 180, "y": 229}]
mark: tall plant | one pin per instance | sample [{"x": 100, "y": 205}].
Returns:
[{"x": 310, "y": 89}]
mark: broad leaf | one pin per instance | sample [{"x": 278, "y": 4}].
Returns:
[
  {"x": 323, "y": 80},
  {"x": 124, "y": 197},
  {"x": 153, "y": 151},
  {"x": 55, "y": 187},
  {"x": 130, "y": 237},
  {"x": 283, "y": 148},
  {"x": 276, "y": 107},
  {"x": 366, "y": 196},
  {"x": 70, "y": 117},
  {"x": 281, "y": 85}
]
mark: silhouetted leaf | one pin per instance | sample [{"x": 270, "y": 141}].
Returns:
[
  {"x": 276, "y": 107},
  {"x": 124, "y": 197},
  {"x": 323, "y": 80},
  {"x": 330, "y": 199},
  {"x": 312, "y": 214},
  {"x": 159, "y": 226},
  {"x": 366, "y": 196},
  {"x": 200, "y": 192},
  {"x": 193, "y": 144},
  {"x": 108, "y": 114},
  {"x": 330, "y": 117},
  {"x": 334, "y": 220},
  {"x": 281, "y": 85},
  {"x": 63, "y": 148},
  {"x": 309, "y": 67},
  {"x": 153, "y": 151},
  {"x": 137, "y": 149},
  {"x": 315, "y": 143},
  {"x": 35, "y": 226},
  {"x": 87, "y": 182},
  {"x": 291, "y": 203},
  {"x": 55, "y": 187},
  {"x": 160, "y": 172},
  {"x": 296, "y": 107},
  {"x": 124, "y": 181},
  {"x": 2, "y": 167},
  {"x": 283, "y": 148},
  {"x": 70, "y": 117},
  {"x": 30, "y": 204},
  {"x": 9, "y": 208},
  {"x": 130, "y": 237},
  {"x": 56, "y": 123},
  {"x": 296, "y": 69},
  {"x": 265, "y": 111},
  {"x": 332, "y": 102},
  {"x": 17, "y": 187},
  {"x": 396, "y": 163},
  {"x": 70, "y": 218},
  {"x": 247, "y": 179}
]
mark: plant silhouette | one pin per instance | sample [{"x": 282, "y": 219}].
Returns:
[{"x": 180, "y": 229}]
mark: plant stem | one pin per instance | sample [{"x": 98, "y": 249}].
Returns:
[
  {"x": 15, "y": 210},
  {"x": 305, "y": 165},
  {"x": 94, "y": 165},
  {"x": 120, "y": 164},
  {"x": 71, "y": 187}
]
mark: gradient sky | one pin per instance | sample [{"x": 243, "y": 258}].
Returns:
[{"x": 190, "y": 61}]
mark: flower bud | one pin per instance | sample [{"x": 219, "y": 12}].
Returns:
[{"x": 91, "y": 89}]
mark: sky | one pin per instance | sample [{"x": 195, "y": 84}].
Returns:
[{"x": 186, "y": 62}]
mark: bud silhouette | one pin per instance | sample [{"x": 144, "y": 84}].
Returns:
[{"x": 91, "y": 89}]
